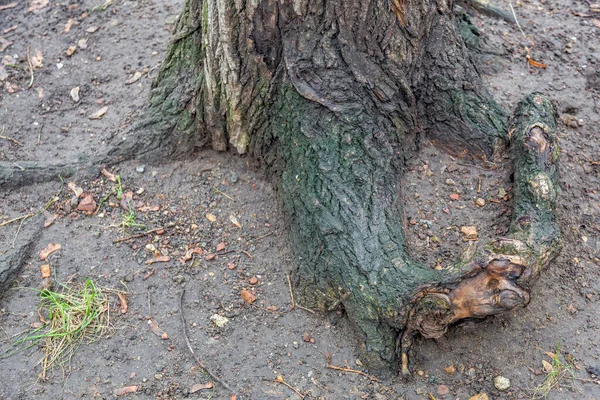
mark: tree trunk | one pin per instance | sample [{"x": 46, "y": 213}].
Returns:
[{"x": 331, "y": 97}]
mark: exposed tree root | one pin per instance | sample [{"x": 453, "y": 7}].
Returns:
[{"x": 485, "y": 7}]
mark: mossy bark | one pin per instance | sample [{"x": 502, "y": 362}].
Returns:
[{"x": 332, "y": 97}]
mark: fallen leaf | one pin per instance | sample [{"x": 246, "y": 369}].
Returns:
[
  {"x": 247, "y": 296},
  {"x": 551, "y": 355},
  {"x": 157, "y": 330},
  {"x": 75, "y": 95},
  {"x": 148, "y": 208},
  {"x": 479, "y": 396},
  {"x": 201, "y": 386},
  {"x": 272, "y": 308},
  {"x": 82, "y": 43},
  {"x": 8, "y": 60},
  {"x": 221, "y": 246},
  {"x": 211, "y": 217},
  {"x": 91, "y": 29},
  {"x": 235, "y": 221},
  {"x": 149, "y": 274},
  {"x": 158, "y": 259},
  {"x": 124, "y": 303},
  {"x": 233, "y": 397},
  {"x": 547, "y": 366},
  {"x": 71, "y": 50},
  {"x": 87, "y": 204},
  {"x": 37, "y": 60},
  {"x": 210, "y": 257},
  {"x": 51, "y": 248},
  {"x": 10, "y": 29},
  {"x": 454, "y": 196},
  {"x": 108, "y": 175},
  {"x": 75, "y": 189},
  {"x": 50, "y": 218},
  {"x": 4, "y": 44},
  {"x": 189, "y": 254},
  {"x": 136, "y": 77},
  {"x": 45, "y": 269},
  {"x": 306, "y": 337},
  {"x": 470, "y": 232},
  {"x": 68, "y": 25},
  {"x": 125, "y": 390},
  {"x": 7, "y": 6},
  {"x": 98, "y": 114},
  {"x": 36, "y": 5},
  {"x": 253, "y": 280},
  {"x": 231, "y": 266}
]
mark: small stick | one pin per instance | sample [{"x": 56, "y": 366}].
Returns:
[
  {"x": 224, "y": 194},
  {"x": 247, "y": 254},
  {"x": 306, "y": 309},
  {"x": 479, "y": 185},
  {"x": 515, "y": 17},
  {"x": 15, "y": 141},
  {"x": 354, "y": 371},
  {"x": 30, "y": 68},
  {"x": 10, "y": 221},
  {"x": 18, "y": 230},
  {"x": 291, "y": 292},
  {"x": 280, "y": 380},
  {"x": 596, "y": 381},
  {"x": 189, "y": 345},
  {"x": 590, "y": 160},
  {"x": 260, "y": 238},
  {"x": 139, "y": 235}
]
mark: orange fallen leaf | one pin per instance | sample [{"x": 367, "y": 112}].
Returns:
[
  {"x": 70, "y": 52},
  {"x": 210, "y": 257},
  {"x": 247, "y": 296},
  {"x": 157, "y": 330},
  {"x": 211, "y": 217},
  {"x": 45, "y": 269},
  {"x": 125, "y": 390},
  {"x": 235, "y": 221},
  {"x": 75, "y": 189},
  {"x": 158, "y": 259},
  {"x": 124, "y": 303},
  {"x": 100, "y": 113},
  {"x": 87, "y": 204},
  {"x": 51, "y": 248},
  {"x": 221, "y": 246},
  {"x": 454, "y": 196},
  {"x": 110, "y": 176},
  {"x": 201, "y": 386},
  {"x": 189, "y": 254},
  {"x": 50, "y": 220}
]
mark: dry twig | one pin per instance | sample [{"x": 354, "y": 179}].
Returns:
[
  {"x": 293, "y": 303},
  {"x": 590, "y": 160},
  {"x": 10, "y": 221},
  {"x": 189, "y": 345},
  {"x": 15, "y": 141},
  {"x": 30, "y": 68},
  {"x": 281, "y": 381},
  {"x": 354, "y": 371},
  {"x": 139, "y": 235}
]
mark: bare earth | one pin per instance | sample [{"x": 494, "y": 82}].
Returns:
[{"x": 267, "y": 339}]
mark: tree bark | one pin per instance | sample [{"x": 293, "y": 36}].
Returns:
[{"x": 332, "y": 97}]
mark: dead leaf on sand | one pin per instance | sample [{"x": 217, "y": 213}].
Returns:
[
  {"x": 124, "y": 304},
  {"x": 45, "y": 270},
  {"x": 158, "y": 259},
  {"x": 99, "y": 114},
  {"x": 7, "y": 6},
  {"x": 136, "y": 77},
  {"x": 51, "y": 248},
  {"x": 247, "y": 296},
  {"x": 108, "y": 175},
  {"x": 235, "y": 221},
  {"x": 157, "y": 330},
  {"x": 36, "y": 5},
  {"x": 71, "y": 50},
  {"x": 4, "y": 44},
  {"x": 50, "y": 218},
  {"x": 125, "y": 390},
  {"x": 68, "y": 25},
  {"x": 211, "y": 217},
  {"x": 189, "y": 254},
  {"x": 75, "y": 189},
  {"x": 37, "y": 59},
  {"x": 201, "y": 386}
]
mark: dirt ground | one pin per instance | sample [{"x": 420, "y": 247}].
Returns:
[{"x": 266, "y": 339}]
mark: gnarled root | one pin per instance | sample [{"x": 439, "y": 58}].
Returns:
[{"x": 510, "y": 264}]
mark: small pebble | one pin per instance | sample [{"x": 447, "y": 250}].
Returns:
[
  {"x": 140, "y": 169},
  {"x": 179, "y": 279},
  {"x": 501, "y": 383},
  {"x": 480, "y": 202}
]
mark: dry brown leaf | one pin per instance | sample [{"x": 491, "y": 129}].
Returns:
[
  {"x": 211, "y": 217},
  {"x": 235, "y": 221},
  {"x": 148, "y": 208},
  {"x": 4, "y": 44},
  {"x": 136, "y": 77},
  {"x": 51, "y": 248},
  {"x": 99, "y": 114},
  {"x": 158, "y": 259},
  {"x": 470, "y": 232},
  {"x": 37, "y": 59},
  {"x": 75, "y": 94},
  {"x": 124, "y": 303},
  {"x": 71, "y": 50},
  {"x": 87, "y": 204},
  {"x": 190, "y": 253},
  {"x": 221, "y": 246},
  {"x": 7, "y": 6},
  {"x": 108, "y": 175},
  {"x": 75, "y": 189},
  {"x": 50, "y": 218},
  {"x": 201, "y": 386},
  {"x": 125, "y": 390},
  {"x": 551, "y": 355},
  {"x": 547, "y": 366},
  {"x": 45, "y": 270},
  {"x": 157, "y": 330},
  {"x": 247, "y": 296},
  {"x": 68, "y": 25},
  {"x": 36, "y": 5}
]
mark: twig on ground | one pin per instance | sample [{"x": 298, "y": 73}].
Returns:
[
  {"x": 596, "y": 381},
  {"x": 189, "y": 345},
  {"x": 247, "y": 254},
  {"x": 139, "y": 235},
  {"x": 306, "y": 309},
  {"x": 224, "y": 194},
  {"x": 590, "y": 160},
  {"x": 281, "y": 381},
  {"x": 18, "y": 230},
  {"x": 516, "y": 20},
  {"x": 15, "y": 141},
  {"x": 293, "y": 303},
  {"x": 260, "y": 238},
  {"x": 354, "y": 371},
  {"x": 30, "y": 68},
  {"x": 10, "y": 221}
]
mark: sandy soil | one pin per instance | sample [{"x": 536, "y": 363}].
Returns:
[{"x": 266, "y": 339}]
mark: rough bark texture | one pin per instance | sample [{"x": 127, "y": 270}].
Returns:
[{"x": 331, "y": 97}]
